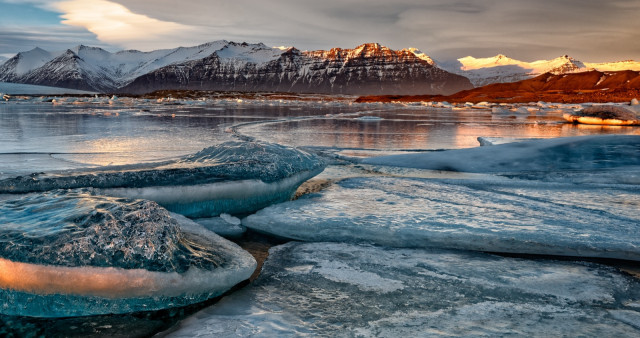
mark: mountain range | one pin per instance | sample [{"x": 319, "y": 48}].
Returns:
[
  {"x": 502, "y": 69},
  {"x": 224, "y": 65},
  {"x": 577, "y": 87},
  {"x": 369, "y": 69}
]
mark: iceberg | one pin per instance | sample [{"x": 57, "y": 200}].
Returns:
[
  {"x": 74, "y": 253},
  {"x": 232, "y": 178},
  {"x": 345, "y": 290},
  {"x": 492, "y": 215},
  {"x": 580, "y": 153},
  {"x": 604, "y": 115}
]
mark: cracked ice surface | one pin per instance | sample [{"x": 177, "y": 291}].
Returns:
[
  {"x": 337, "y": 289},
  {"x": 512, "y": 216}
]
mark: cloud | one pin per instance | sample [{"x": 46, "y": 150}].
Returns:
[
  {"x": 544, "y": 28},
  {"x": 115, "y": 24},
  {"x": 591, "y": 30},
  {"x": 17, "y": 39}
]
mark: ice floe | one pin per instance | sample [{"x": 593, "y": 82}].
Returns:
[
  {"x": 225, "y": 225},
  {"x": 233, "y": 178},
  {"x": 323, "y": 289},
  {"x": 552, "y": 158},
  {"x": 73, "y": 253},
  {"x": 494, "y": 216}
]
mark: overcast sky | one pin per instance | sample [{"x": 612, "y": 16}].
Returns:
[{"x": 589, "y": 30}]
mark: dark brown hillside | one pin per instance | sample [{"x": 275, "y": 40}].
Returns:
[{"x": 592, "y": 86}]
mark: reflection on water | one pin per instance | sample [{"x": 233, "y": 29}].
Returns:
[
  {"x": 421, "y": 129},
  {"x": 42, "y": 137}
]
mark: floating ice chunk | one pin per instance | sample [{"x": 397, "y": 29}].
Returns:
[
  {"x": 604, "y": 114},
  {"x": 418, "y": 293},
  {"x": 226, "y": 225},
  {"x": 233, "y": 178},
  {"x": 72, "y": 253},
  {"x": 547, "y": 219},
  {"x": 500, "y": 111},
  {"x": 370, "y": 118},
  {"x": 582, "y": 153},
  {"x": 492, "y": 141}
]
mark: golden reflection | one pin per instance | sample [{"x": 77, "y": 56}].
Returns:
[{"x": 94, "y": 281}]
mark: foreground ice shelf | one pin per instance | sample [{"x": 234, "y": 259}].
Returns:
[
  {"x": 73, "y": 253},
  {"x": 343, "y": 290},
  {"x": 232, "y": 178},
  {"x": 512, "y": 216}
]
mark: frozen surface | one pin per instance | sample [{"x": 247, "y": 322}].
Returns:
[
  {"x": 492, "y": 141},
  {"x": 488, "y": 215},
  {"x": 233, "y": 177},
  {"x": 19, "y": 88},
  {"x": 69, "y": 253},
  {"x": 322, "y": 289},
  {"x": 225, "y": 225},
  {"x": 549, "y": 157}
]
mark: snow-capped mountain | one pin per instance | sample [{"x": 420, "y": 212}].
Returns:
[
  {"x": 223, "y": 65},
  {"x": 22, "y": 63},
  {"x": 367, "y": 69},
  {"x": 92, "y": 68},
  {"x": 502, "y": 69}
]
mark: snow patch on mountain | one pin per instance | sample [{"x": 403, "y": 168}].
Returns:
[
  {"x": 501, "y": 68},
  {"x": 614, "y": 66},
  {"x": 93, "y": 68}
]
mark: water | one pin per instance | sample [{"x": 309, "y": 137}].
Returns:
[{"x": 43, "y": 137}]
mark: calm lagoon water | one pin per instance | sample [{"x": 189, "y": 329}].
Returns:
[{"x": 37, "y": 137}]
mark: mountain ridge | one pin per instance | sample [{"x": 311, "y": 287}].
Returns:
[
  {"x": 225, "y": 65},
  {"x": 367, "y": 69},
  {"x": 503, "y": 69},
  {"x": 590, "y": 86}
]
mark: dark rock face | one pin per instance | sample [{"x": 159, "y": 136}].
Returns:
[{"x": 367, "y": 69}]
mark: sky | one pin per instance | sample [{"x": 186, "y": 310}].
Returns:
[{"x": 588, "y": 30}]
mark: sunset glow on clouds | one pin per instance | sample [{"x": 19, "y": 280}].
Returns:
[
  {"x": 593, "y": 30},
  {"x": 115, "y": 24}
]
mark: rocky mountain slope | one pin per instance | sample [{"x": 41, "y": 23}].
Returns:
[
  {"x": 367, "y": 69},
  {"x": 590, "y": 86},
  {"x": 223, "y": 65},
  {"x": 501, "y": 69}
]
